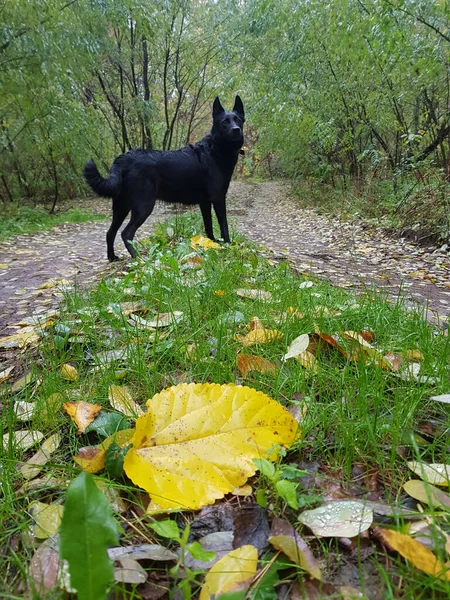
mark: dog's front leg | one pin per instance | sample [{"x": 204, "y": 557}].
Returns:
[
  {"x": 205, "y": 207},
  {"x": 221, "y": 214}
]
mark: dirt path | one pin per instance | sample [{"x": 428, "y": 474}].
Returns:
[{"x": 344, "y": 253}]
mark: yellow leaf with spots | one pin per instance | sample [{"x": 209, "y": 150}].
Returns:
[
  {"x": 82, "y": 413},
  {"x": 232, "y": 573},
  {"x": 92, "y": 458},
  {"x": 197, "y": 442},
  {"x": 415, "y": 552}
]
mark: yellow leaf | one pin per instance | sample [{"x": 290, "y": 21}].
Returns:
[
  {"x": 121, "y": 400},
  {"x": 6, "y": 373},
  {"x": 260, "y": 336},
  {"x": 285, "y": 538},
  {"x": 308, "y": 360},
  {"x": 436, "y": 473},
  {"x": 22, "y": 339},
  {"x": 197, "y": 441},
  {"x": 4, "y": 266},
  {"x": 90, "y": 459},
  {"x": 254, "y": 294},
  {"x": 415, "y": 553},
  {"x": 426, "y": 493},
  {"x": 47, "y": 518},
  {"x": 250, "y": 362},
  {"x": 69, "y": 372},
  {"x": 82, "y": 413},
  {"x": 203, "y": 242},
  {"x": 234, "y": 572},
  {"x": 414, "y": 355},
  {"x": 219, "y": 292},
  {"x": 33, "y": 466}
]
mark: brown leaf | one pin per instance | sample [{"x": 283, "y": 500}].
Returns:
[
  {"x": 250, "y": 526},
  {"x": 250, "y": 362},
  {"x": 332, "y": 340},
  {"x": 285, "y": 538},
  {"x": 82, "y": 413},
  {"x": 45, "y": 566},
  {"x": 90, "y": 459}
]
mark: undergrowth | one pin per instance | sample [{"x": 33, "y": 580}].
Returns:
[{"x": 360, "y": 423}]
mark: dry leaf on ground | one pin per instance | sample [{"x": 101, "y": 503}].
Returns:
[
  {"x": 165, "y": 319},
  {"x": 342, "y": 518},
  {"x": 6, "y": 373},
  {"x": 297, "y": 346},
  {"x": 197, "y": 442},
  {"x": 426, "y": 493},
  {"x": 47, "y": 518},
  {"x": 232, "y": 573},
  {"x": 24, "y": 410},
  {"x": 120, "y": 399},
  {"x": 21, "y": 339},
  {"x": 260, "y": 336},
  {"x": 445, "y": 398},
  {"x": 285, "y": 538},
  {"x": 22, "y": 439},
  {"x": 250, "y": 362},
  {"x": 82, "y": 413},
  {"x": 200, "y": 241},
  {"x": 308, "y": 360},
  {"x": 45, "y": 566},
  {"x": 92, "y": 458},
  {"x": 33, "y": 466},
  {"x": 435, "y": 473},
  {"x": 414, "y": 552},
  {"x": 254, "y": 294},
  {"x": 69, "y": 372}
]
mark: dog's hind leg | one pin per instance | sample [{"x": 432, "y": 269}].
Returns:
[
  {"x": 120, "y": 212},
  {"x": 139, "y": 214},
  {"x": 221, "y": 214}
]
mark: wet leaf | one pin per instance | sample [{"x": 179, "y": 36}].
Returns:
[
  {"x": 121, "y": 400},
  {"x": 342, "y": 518},
  {"x": 415, "y": 553},
  {"x": 23, "y": 382},
  {"x": 21, "y": 339},
  {"x": 86, "y": 531},
  {"x": 197, "y": 441},
  {"x": 45, "y": 566},
  {"x": 436, "y": 473},
  {"x": 82, "y": 413},
  {"x": 298, "y": 346},
  {"x": 260, "y": 336},
  {"x": 69, "y": 372},
  {"x": 251, "y": 526},
  {"x": 250, "y": 362},
  {"x": 332, "y": 340},
  {"x": 442, "y": 398},
  {"x": 285, "y": 538},
  {"x": 426, "y": 493},
  {"x": 233, "y": 572},
  {"x": 130, "y": 572},
  {"x": 254, "y": 294},
  {"x": 47, "y": 519},
  {"x": 33, "y": 466},
  {"x": 200, "y": 241},
  {"x": 23, "y": 439}
]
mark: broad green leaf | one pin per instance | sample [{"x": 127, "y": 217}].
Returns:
[
  {"x": 114, "y": 459},
  {"x": 199, "y": 553},
  {"x": 288, "y": 491},
  {"x": 197, "y": 442},
  {"x": 232, "y": 573},
  {"x": 168, "y": 529},
  {"x": 86, "y": 531},
  {"x": 265, "y": 466},
  {"x": 108, "y": 423}
]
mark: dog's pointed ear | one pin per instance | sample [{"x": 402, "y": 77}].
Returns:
[
  {"x": 217, "y": 107},
  {"x": 239, "y": 107}
]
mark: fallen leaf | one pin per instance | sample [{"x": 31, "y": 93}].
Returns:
[
  {"x": 6, "y": 373},
  {"x": 285, "y": 538},
  {"x": 21, "y": 339},
  {"x": 415, "y": 552},
  {"x": 47, "y": 518},
  {"x": 426, "y": 493},
  {"x": 342, "y": 518},
  {"x": 90, "y": 459},
  {"x": 23, "y": 439},
  {"x": 435, "y": 473},
  {"x": 233, "y": 572},
  {"x": 260, "y": 336},
  {"x": 197, "y": 441},
  {"x": 367, "y": 348},
  {"x": 299, "y": 345},
  {"x": 200, "y": 241},
  {"x": 250, "y": 362},
  {"x": 24, "y": 410},
  {"x": 308, "y": 360},
  {"x": 121, "y": 400},
  {"x": 219, "y": 293},
  {"x": 45, "y": 566},
  {"x": 166, "y": 319},
  {"x": 414, "y": 355},
  {"x": 32, "y": 467},
  {"x": 142, "y": 552},
  {"x": 305, "y": 285},
  {"x": 442, "y": 398},
  {"x": 82, "y": 413},
  {"x": 130, "y": 572},
  {"x": 332, "y": 340},
  {"x": 254, "y": 294},
  {"x": 69, "y": 372},
  {"x": 251, "y": 526},
  {"x": 23, "y": 382}
]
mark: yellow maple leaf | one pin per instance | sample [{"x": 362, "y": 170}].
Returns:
[
  {"x": 203, "y": 242},
  {"x": 82, "y": 413},
  {"x": 197, "y": 442},
  {"x": 232, "y": 573}
]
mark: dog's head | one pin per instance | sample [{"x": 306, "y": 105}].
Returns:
[{"x": 228, "y": 126}]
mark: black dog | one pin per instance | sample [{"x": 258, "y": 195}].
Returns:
[{"x": 197, "y": 174}]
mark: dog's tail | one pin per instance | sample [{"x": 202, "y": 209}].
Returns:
[{"x": 108, "y": 188}]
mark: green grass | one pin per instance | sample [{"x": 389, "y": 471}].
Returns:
[
  {"x": 30, "y": 220},
  {"x": 360, "y": 419}
]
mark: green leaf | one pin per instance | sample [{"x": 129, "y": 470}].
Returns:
[
  {"x": 266, "y": 467},
  {"x": 199, "y": 553},
  {"x": 261, "y": 498},
  {"x": 288, "y": 491},
  {"x": 114, "y": 459},
  {"x": 87, "y": 529},
  {"x": 108, "y": 423},
  {"x": 168, "y": 529}
]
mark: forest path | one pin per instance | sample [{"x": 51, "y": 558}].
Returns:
[{"x": 346, "y": 254}]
